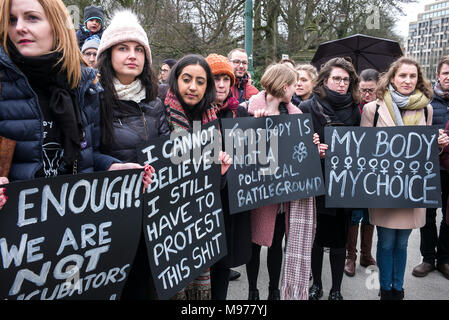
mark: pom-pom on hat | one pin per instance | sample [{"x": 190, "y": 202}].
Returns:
[
  {"x": 93, "y": 12},
  {"x": 124, "y": 27},
  {"x": 220, "y": 65}
]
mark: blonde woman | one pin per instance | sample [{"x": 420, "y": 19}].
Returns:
[
  {"x": 49, "y": 99},
  {"x": 307, "y": 75},
  {"x": 268, "y": 223}
]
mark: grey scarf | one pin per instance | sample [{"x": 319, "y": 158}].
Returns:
[{"x": 399, "y": 101}]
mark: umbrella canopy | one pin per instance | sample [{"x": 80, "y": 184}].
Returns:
[{"x": 366, "y": 52}]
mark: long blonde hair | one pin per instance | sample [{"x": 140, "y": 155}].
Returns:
[{"x": 64, "y": 35}]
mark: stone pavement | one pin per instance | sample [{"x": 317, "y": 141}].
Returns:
[{"x": 365, "y": 284}]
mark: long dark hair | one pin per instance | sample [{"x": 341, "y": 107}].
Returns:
[
  {"x": 109, "y": 99},
  {"x": 209, "y": 94}
]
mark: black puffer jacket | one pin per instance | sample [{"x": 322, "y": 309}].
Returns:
[{"x": 135, "y": 123}]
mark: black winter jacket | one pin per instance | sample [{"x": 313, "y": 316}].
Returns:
[
  {"x": 440, "y": 111},
  {"x": 21, "y": 120},
  {"x": 135, "y": 123}
]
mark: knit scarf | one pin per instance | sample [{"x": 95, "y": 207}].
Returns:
[
  {"x": 298, "y": 256},
  {"x": 231, "y": 104},
  {"x": 134, "y": 91},
  {"x": 176, "y": 116},
  {"x": 336, "y": 109},
  {"x": 397, "y": 103},
  {"x": 440, "y": 92},
  {"x": 200, "y": 287},
  {"x": 45, "y": 72}
]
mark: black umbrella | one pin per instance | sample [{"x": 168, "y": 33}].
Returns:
[{"x": 365, "y": 51}]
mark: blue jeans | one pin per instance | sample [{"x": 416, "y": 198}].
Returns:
[
  {"x": 392, "y": 257},
  {"x": 359, "y": 216}
]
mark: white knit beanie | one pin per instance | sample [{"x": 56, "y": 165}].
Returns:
[{"x": 124, "y": 27}]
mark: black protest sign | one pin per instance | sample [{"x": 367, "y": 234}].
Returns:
[
  {"x": 274, "y": 160},
  {"x": 391, "y": 167},
  {"x": 182, "y": 215},
  {"x": 70, "y": 237}
]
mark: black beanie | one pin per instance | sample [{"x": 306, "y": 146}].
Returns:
[
  {"x": 93, "y": 12},
  {"x": 169, "y": 62}
]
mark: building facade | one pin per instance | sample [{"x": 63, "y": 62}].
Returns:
[{"x": 427, "y": 39}]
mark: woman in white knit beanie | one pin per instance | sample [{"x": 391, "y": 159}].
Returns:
[{"x": 131, "y": 114}]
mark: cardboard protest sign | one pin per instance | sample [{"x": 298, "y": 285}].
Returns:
[
  {"x": 393, "y": 167},
  {"x": 70, "y": 237},
  {"x": 274, "y": 160},
  {"x": 183, "y": 220}
]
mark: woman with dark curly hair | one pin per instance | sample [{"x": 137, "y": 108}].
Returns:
[{"x": 334, "y": 103}]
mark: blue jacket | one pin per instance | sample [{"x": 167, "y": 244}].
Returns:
[
  {"x": 440, "y": 111},
  {"x": 21, "y": 120},
  {"x": 83, "y": 33}
]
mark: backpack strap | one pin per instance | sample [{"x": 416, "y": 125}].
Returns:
[{"x": 376, "y": 116}]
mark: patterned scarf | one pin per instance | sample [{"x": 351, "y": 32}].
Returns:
[
  {"x": 176, "y": 115},
  {"x": 397, "y": 102},
  {"x": 231, "y": 103},
  {"x": 200, "y": 288},
  {"x": 298, "y": 257}
]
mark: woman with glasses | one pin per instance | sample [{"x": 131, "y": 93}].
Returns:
[
  {"x": 334, "y": 103},
  {"x": 367, "y": 87},
  {"x": 306, "y": 81},
  {"x": 403, "y": 97}
]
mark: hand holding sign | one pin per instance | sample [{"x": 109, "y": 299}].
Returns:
[
  {"x": 260, "y": 113},
  {"x": 147, "y": 175},
  {"x": 225, "y": 160},
  {"x": 322, "y": 147},
  {"x": 3, "y": 196},
  {"x": 443, "y": 139}
]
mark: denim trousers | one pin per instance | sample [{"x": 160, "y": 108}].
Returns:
[{"x": 392, "y": 256}]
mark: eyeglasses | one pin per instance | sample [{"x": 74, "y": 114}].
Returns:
[
  {"x": 337, "y": 80},
  {"x": 367, "y": 90},
  {"x": 238, "y": 62},
  {"x": 90, "y": 54},
  {"x": 165, "y": 70}
]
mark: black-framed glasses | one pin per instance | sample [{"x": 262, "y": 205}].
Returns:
[
  {"x": 338, "y": 80},
  {"x": 367, "y": 90},
  {"x": 238, "y": 62}
]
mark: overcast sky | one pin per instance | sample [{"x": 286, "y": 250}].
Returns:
[{"x": 411, "y": 11}]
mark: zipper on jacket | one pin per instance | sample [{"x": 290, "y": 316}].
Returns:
[{"x": 144, "y": 123}]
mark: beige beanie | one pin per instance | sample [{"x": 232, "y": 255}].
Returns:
[{"x": 124, "y": 27}]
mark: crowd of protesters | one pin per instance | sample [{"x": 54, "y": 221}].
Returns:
[{"x": 100, "y": 92}]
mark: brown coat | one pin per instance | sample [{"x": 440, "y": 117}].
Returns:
[{"x": 407, "y": 218}]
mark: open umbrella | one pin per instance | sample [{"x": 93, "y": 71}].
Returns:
[{"x": 365, "y": 51}]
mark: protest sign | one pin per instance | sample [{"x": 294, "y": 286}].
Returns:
[
  {"x": 274, "y": 160},
  {"x": 393, "y": 167},
  {"x": 182, "y": 215},
  {"x": 70, "y": 237}
]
